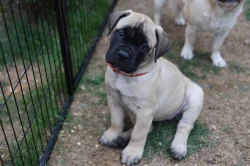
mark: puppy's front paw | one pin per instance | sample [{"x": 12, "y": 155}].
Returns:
[
  {"x": 131, "y": 156},
  {"x": 109, "y": 139},
  {"x": 180, "y": 21},
  {"x": 187, "y": 53},
  {"x": 218, "y": 61},
  {"x": 178, "y": 151}
]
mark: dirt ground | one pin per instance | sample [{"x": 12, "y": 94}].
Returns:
[{"x": 226, "y": 107}]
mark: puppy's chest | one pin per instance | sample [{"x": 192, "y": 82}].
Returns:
[
  {"x": 131, "y": 95},
  {"x": 216, "y": 23},
  {"x": 129, "y": 100}
]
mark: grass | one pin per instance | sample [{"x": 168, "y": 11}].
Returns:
[
  {"x": 93, "y": 85},
  {"x": 237, "y": 69},
  {"x": 159, "y": 140},
  {"x": 248, "y": 9}
]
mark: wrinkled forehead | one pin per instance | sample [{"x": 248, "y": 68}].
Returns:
[{"x": 140, "y": 21}]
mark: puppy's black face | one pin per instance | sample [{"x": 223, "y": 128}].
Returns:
[{"x": 128, "y": 49}]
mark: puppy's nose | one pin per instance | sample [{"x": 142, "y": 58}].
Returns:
[{"x": 122, "y": 55}]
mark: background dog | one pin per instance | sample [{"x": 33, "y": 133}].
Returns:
[
  {"x": 216, "y": 16},
  {"x": 147, "y": 87}
]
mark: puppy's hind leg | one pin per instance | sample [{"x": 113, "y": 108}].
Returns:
[
  {"x": 158, "y": 4},
  {"x": 216, "y": 55},
  {"x": 194, "y": 97}
]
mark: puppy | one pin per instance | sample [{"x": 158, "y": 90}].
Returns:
[
  {"x": 144, "y": 85},
  {"x": 216, "y": 16}
]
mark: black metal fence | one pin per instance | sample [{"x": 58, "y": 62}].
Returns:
[{"x": 45, "y": 46}]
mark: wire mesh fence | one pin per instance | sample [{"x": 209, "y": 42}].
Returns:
[{"x": 44, "y": 48}]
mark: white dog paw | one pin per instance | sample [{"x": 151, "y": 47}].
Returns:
[
  {"x": 180, "y": 21},
  {"x": 218, "y": 61},
  {"x": 187, "y": 53},
  {"x": 178, "y": 151},
  {"x": 131, "y": 156}
]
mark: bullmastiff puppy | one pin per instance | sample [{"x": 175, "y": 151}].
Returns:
[
  {"x": 216, "y": 16},
  {"x": 146, "y": 86}
]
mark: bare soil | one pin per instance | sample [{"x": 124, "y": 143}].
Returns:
[{"x": 226, "y": 107}]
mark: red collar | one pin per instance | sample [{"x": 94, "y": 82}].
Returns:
[{"x": 125, "y": 74}]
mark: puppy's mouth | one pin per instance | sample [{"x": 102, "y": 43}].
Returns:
[{"x": 115, "y": 66}]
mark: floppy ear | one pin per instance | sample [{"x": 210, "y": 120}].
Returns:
[
  {"x": 163, "y": 44},
  {"x": 115, "y": 17}
]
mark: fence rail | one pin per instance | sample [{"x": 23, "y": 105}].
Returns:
[{"x": 45, "y": 47}]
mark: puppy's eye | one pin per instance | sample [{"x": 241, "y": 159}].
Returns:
[
  {"x": 121, "y": 33},
  {"x": 144, "y": 47}
]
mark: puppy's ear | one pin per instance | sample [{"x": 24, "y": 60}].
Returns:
[
  {"x": 115, "y": 17},
  {"x": 163, "y": 44}
]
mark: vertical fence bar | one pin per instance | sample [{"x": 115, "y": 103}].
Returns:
[
  {"x": 64, "y": 41},
  {"x": 60, "y": 11}
]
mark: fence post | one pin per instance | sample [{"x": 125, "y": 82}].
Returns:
[
  {"x": 60, "y": 9},
  {"x": 61, "y": 19}
]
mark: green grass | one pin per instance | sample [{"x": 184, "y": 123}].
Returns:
[
  {"x": 93, "y": 80},
  {"x": 159, "y": 140},
  {"x": 93, "y": 85},
  {"x": 228, "y": 129},
  {"x": 237, "y": 69},
  {"x": 248, "y": 9}
]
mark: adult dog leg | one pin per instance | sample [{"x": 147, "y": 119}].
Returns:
[
  {"x": 216, "y": 55},
  {"x": 190, "y": 36},
  {"x": 158, "y": 4},
  {"x": 194, "y": 96},
  {"x": 180, "y": 19},
  {"x": 132, "y": 154},
  {"x": 117, "y": 123}
]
